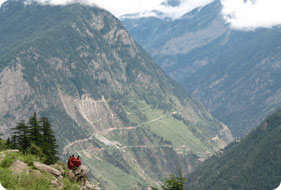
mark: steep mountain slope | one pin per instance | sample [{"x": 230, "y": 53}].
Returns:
[
  {"x": 105, "y": 97},
  {"x": 234, "y": 73},
  {"x": 252, "y": 163}
]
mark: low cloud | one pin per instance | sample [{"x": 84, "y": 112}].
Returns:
[
  {"x": 61, "y": 2},
  {"x": 167, "y": 8},
  {"x": 1, "y": 2},
  {"x": 184, "y": 7},
  {"x": 56, "y": 2},
  {"x": 240, "y": 14},
  {"x": 252, "y": 14}
]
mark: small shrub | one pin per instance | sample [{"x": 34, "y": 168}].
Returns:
[
  {"x": 36, "y": 150},
  {"x": 29, "y": 159},
  {"x": 68, "y": 185},
  {"x": 8, "y": 160},
  {"x": 26, "y": 158},
  {"x": 2, "y": 145}
]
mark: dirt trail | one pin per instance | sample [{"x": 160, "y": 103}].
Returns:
[
  {"x": 77, "y": 141},
  {"x": 147, "y": 146},
  {"x": 106, "y": 131}
]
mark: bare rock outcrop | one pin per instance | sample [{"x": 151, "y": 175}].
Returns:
[
  {"x": 19, "y": 167},
  {"x": 88, "y": 186},
  {"x": 37, "y": 174},
  {"x": 80, "y": 175},
  {"x": 49, "y": 169},
  {"x": 59, "y": 168}
]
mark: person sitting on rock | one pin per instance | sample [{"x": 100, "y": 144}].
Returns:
[
  {"x": 70, "y": 163},
  {"x": 77, "y": 161}
]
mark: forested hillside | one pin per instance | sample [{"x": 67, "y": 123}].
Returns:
[{"x": 253, "y": 162}]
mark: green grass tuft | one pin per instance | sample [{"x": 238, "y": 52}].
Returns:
[
  {"x": 25, "y": 181},
  {"x": 11, "y": 157},
  {"x": 68, "y": 185}
]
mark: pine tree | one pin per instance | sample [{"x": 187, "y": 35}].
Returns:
[
  {"x": 21, "y": 136},
  {"x": 34, "y": 130},
  {"x": 14, "y": 142},
  {"x": 8, "y": 143},
  {"x": 2, "y": 143},
  {"x": 49, "y": 145},
  {"x": 174, "y": 182},
  {"x": 36, "y": 138}
]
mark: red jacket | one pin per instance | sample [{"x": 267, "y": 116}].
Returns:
[
  {"x": 72, "y": 158},
  {"x": 70, "y": 164},
  {"x": 77, "y": 162}
]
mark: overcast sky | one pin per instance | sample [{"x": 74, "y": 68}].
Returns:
[
  {"x": 241, "y": 14},
  {"x": 252, "y": 14}
]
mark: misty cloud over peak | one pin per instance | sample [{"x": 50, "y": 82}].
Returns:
[
  {"x": 252, "y": 14},
  {"x": 172, "y": 9},
  {"x": 141, "y": 8},
  {"x": 240, "y": 14}
]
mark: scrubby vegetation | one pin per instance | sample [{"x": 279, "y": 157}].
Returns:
[{"x": 174, "y": 182}]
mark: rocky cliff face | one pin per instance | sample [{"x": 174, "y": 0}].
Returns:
[
  {"x": 234, "y": 73},
  {"x": 103, "y": 94}
]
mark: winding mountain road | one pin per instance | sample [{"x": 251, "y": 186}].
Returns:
[{"x": 106, "y": 131}]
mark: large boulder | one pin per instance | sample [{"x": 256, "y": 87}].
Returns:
[
  {"x": 59, "y": 167},
  {"x": 37, "y": 174},
  {"x": 88, "y": 186},
  {"x": 46, "y": 168},
  {"x": 79, "y": 174},
  {"x": 19, "y": 167},
  {"x": 81, "y": 171}
]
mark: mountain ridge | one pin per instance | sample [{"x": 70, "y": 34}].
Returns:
[
  {"x": 106, "y": 98},
  {"x": 233, "y": 73}
]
